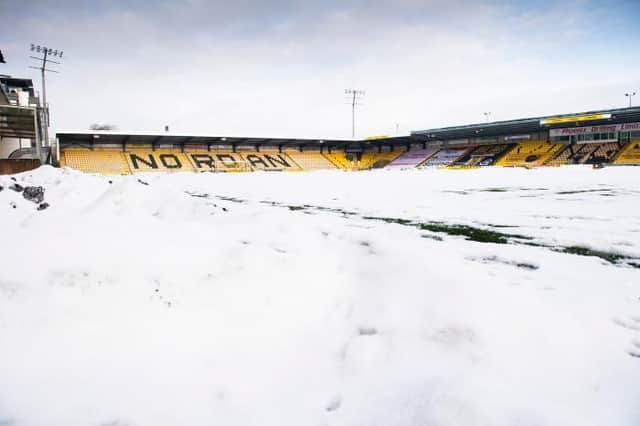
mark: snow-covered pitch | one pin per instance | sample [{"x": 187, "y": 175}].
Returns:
[{"x": 437, "y": 297}]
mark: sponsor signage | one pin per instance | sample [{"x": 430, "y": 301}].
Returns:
[
  {"x": 574, "y": 118},
  {"x": 588, "y": 130},
  {"x": 630, "y": 127},
  {"x": 517, "y": 137}
]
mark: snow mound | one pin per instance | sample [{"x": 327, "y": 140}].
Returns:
[{"x": 438, "y": 297}]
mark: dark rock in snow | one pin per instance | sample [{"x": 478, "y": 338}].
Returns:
[
  {"x": 143, "y": 182},
  {"x": 1, "y": 188},
  {"x": 14, "y": 179},
  {"x": 34, "y": 193},
  {"x": 43, "y": 206},
  {"x": 16, "y": 187}
]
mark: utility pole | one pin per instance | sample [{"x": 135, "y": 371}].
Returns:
[
  {"x": 354, "y": 95},
  {"x": 44, "y": 110},
  {"x": 630, "y": 95}
]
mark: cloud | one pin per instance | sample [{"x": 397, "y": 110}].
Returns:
[{"x": 279, "y": 68}]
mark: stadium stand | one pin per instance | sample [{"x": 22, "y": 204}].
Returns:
[
  {"x": 363, "y": 161},
  {"x": 113, "y": 161},
  {"x": 342, "y": 160},
  {"x": 630, "y": 154},
  {"x": 591, "y": 153},
  {"x": 217, "y": 161},
  {"x": 529, "y": 154},
  {"x": 311, "y": 160},
  {"x": 484, "y": 155},
  {"x": 411, "y": 158},
  {"x": 270, "y": 161},
  {"x": 563, "y": 156},
  {"x": 161, "y": 160},
  {"x": 602, "y": 153},
  {"x": 444, "y": 157},
  {"x": 593, "y": 137},
  {"x": 98, "y": 161},
  {"x": 377, "y": 160}
]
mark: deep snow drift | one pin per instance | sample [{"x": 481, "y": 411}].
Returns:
[{"x": 437, "y": 297}]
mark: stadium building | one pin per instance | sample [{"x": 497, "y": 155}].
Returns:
[
  {"x": 20, "y": 145},
  {"x": 595, "y": 137}
]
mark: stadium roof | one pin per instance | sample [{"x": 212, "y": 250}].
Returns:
[
  {"x": 109, "y": 137},
  {"x": 23, "y": 83},
  {"x": 531, "y": 125}
]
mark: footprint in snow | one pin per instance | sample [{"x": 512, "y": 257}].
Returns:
[
  {"x": 633, "y": 325},
  {"x": 334, "y": 404}
]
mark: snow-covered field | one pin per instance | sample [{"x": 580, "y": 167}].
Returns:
[{"x": 437, "y": 297}]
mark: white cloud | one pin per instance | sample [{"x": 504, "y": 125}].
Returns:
[{"x": 253, "y": 69}]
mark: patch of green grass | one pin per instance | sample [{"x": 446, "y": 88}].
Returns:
[
  {"x": 390, "y": 220},
  {"x": 582, "y": 191},
  {"x": 231, "y": 199},
  {"x": 470, "y": 233},
  {"x": 494, "y": 190},
  {"x": 585, "y": 251}
]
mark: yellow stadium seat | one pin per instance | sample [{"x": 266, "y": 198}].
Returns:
[
  {"x": 97, "y": 161},
  {"x": 311, "y": 160},
  {"x": 377, "y": 160},
  {"x": 340, "y": 160},
  {"x": 561, "y": 157},
  {"x": 630, "y": 154},
  {"x": 160, "y": 160},
  {"x": 591, "y": 153},
  {"x": 218, "y": 161},
  {"x": 529, "y": 154},
  {"x": 270, "y": 161},
  {"x": 368, "y": 160},
  {"x": 484, "y": 155}
]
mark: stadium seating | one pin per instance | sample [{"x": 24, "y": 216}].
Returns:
[
  {"x": 602, "y": 153},
  {"x": 377, "y": 160},
  {"x": 200, "y": 159},
  {"x": 342, "y": 160},
  {"x": 98, "y": 161},
  {"x": 484, "y": 155},
  {"x": 529, "y": 154},
  {"x": 563, "y": 156},
  {"x": 311, "y": 160},
  {"x": 368, "y": 160},
  {"x": 444, "y": 157},
  {"x": 591, "y": 153},
  {"x": 160, "y": 160},
  {"x": 270, "y": 161},
  {"x": 411, "y": 158},
  {"x": 630, "y": 154}
]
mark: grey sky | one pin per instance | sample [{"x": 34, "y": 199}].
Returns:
[{"x": 279, "y": 68}]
